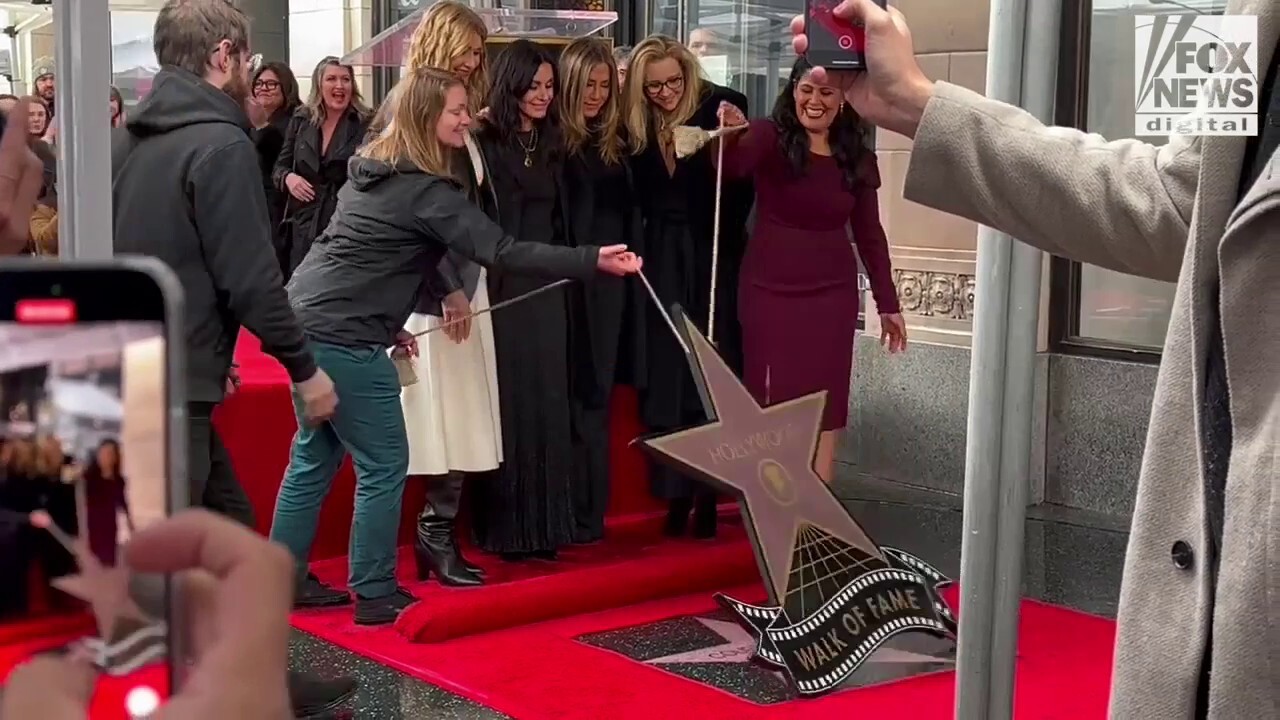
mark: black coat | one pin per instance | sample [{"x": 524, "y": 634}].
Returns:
[
  {"x": 679, "y": 215},
  {"x": 326, "y": 171},
  {"x": 609, "y": 312},
  {"x": 269, "y": 141}
]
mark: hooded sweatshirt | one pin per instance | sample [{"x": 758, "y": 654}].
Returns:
[
  {"x": 361, "y": 279},
  {"x": 186, "y": 190}
]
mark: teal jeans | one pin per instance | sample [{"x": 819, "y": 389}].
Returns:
[{"x": 369, "y": 424}]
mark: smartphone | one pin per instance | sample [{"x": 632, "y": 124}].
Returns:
[
  {"x": 92, "y": 448},
  {"x": 833, "y": 42}
]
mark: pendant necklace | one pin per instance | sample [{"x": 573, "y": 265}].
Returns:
[{"x": 528, "y": 149}]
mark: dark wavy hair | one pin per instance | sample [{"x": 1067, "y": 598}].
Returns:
[
  {"x": 511, "y": 78},
  {"x": 288, "y": 87},
  {"x": 847, "y": 135}
]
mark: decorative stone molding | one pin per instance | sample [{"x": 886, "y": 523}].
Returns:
[{"x": 935, "y": 294}]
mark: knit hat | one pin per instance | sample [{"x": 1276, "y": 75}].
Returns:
[{"x": 44, "y": 66}]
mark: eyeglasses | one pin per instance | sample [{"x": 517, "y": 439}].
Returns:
[
  {"x": 266, "y": 85},
  {"x": 675, "y": 84}
]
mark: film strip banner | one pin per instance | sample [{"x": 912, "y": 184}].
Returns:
[
  {"x": 822, "y": 650},
  {"x": 132, "y": 652}
]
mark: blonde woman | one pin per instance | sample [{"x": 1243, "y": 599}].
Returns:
[
  {"x": 608, "y": 315},
  {"x": 312, "y": 165},
  {"x": 400, "y": 212},
  {"x": 665, "y": 89},
  {"x": 452, "y": 413}
]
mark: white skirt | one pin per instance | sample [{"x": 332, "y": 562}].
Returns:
[{"x": 451, "y": 414}]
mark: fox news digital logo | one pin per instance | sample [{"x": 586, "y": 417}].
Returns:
[{"x": 1196, "y": 75}]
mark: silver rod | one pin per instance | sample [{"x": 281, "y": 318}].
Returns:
[
  {"x": 83, "y": 43},
  {"x": 665, "y": 315},
  {"x": 982, "y": 487},
  {"x": 1039, "y": 75},
  {"x": 496, "y": 306}
]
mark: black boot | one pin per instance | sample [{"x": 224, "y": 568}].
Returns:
[
  {"x": 704, "y": 516},
  {"x": 436, "y": 548},
  {"x": 678, "y": 510}
]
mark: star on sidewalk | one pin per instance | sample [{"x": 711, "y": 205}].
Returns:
[{"x": 765, "y": 456}]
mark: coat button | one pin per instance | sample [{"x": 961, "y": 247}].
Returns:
[{"x": 1183, "y": 556}]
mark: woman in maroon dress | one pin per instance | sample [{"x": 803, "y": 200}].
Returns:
[
  {"x": 105, "y": 501},
  {"x": 815, "y": 178}
]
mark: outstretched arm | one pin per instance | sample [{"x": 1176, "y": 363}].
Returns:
[
  {"x": 447, "y": 217},
  {"x": 1124, "y": 205}
]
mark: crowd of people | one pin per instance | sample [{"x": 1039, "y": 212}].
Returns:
[
  {"x": 464, "y": 180},
  {"x": 515, "y": 168}
]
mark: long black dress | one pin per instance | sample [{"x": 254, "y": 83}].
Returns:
[
  {"x": 525, "y": 507},
  {"x": 608, "y": 325},
  {"x": 678, "y": 209},
  {"x": 304, "y": 153}
]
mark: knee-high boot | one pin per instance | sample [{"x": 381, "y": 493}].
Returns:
[{"x": 436, "y": 548}]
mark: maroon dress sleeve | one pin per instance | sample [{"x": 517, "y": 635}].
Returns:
[
  {"x": 869, "y": 237},
  {"x": 744, "y": 150}
]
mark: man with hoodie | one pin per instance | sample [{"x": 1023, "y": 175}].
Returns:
[{"x": 185, "y": 191}]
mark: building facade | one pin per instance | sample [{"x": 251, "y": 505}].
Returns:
[{"x": 1100, "y": 332}]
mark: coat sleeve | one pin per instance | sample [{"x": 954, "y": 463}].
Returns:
[
  {"x": 284, "y": 161},
  {"x": 447, "y": 217},
  {"x": 1123, "y": 205}
]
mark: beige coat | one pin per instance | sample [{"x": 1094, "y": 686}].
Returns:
[{"x": 1168, "y": 213}]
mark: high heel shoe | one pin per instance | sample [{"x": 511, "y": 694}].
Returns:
[{"x": 436, "y": 548}]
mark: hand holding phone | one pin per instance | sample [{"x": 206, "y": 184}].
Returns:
[
  {"x": 240, "y": 588},
  {"x": 885, "y": 84},
  {"x": 835, "y": 41}
]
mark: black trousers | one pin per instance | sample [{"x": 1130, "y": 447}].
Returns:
[
  {"x": 214, "y": 485},
  {"x": 591, "y": 486}
]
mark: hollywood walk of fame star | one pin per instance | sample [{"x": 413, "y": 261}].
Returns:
[
  {"x": 765, "y": 455},
  {"x": 105, "y": 589}
]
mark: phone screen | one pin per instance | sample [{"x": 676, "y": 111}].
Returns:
[
  {"x": 833, "y": 42},
  {"x": 83, "y": 464}
]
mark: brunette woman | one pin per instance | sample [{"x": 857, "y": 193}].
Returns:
[
  {"x": 608, "y": 327},
  {"x": 664, "y": 90},
  {"x": 452, "y": 413},
  {"x": 104, "y": 488},
  {"x": 275, "y": 92},
  {"x": 400, "y": 212},
  {"x": 815, "y": 179},
  {"x": 319, "y": 140},
  {"x": 526, "y": 509}
]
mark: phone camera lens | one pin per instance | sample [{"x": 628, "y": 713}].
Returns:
[{"x": 55, "y": 290}]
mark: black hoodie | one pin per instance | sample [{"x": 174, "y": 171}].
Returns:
[
  {"x": 361, "y": 280},
  {"x": 186, "y": 189}
]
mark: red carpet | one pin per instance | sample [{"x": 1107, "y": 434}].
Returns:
[
  {"x": 257, "y": 426},
  {"x": 632, "y": 566},
  {"x": 539, "y": 672}
]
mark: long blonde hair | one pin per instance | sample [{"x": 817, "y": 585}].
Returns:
[
  {"x": 315, "y": 99},
  {"x": 640, "y": 113},
  {"x": 442, "y": 37},
  {"x": 416, "y": 103},
  {"x": 577, "y": 61}
]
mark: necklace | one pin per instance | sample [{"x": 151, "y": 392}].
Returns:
[{"x": 528, "y": 149}]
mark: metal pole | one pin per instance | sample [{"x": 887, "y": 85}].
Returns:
[
  {"x": 84, "y": 131},
  {"x": 1039, "y": 74},
  {"x": 986, "y": 402}
]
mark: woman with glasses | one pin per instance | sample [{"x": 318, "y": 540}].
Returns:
[
  {"x": 320, "y": 138},
  {"x": 275, "y": 95},
  {"x": 665, "y": 89}
]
